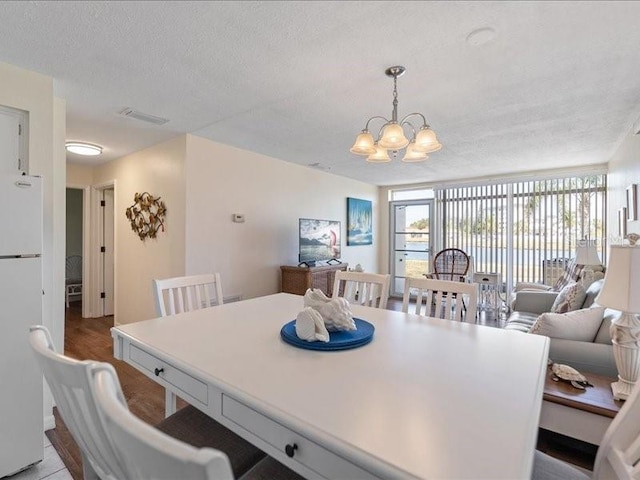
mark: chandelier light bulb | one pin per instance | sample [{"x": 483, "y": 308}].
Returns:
[
  {"x": 380, "y": 156},
  {"x": 364, "y": 144},
  {"x": 411, "y": 154},
  {"x": 426, "y": 141},
  {"x": 393, "y": 137}
]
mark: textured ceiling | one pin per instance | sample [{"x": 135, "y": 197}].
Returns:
[{"x": 558, "y": 85}]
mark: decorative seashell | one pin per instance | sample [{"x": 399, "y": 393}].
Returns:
[
  {"x": 569, "y": 374},
  {"x": 337, "y": 315},
  {"x": 310, "y": 326},
  {"x": 315, "y": 298}
]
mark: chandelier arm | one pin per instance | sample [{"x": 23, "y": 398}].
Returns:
[
  {"x": 405, "y": 122},
  {"x": 373, "y": 118},
  {"x": 424, "y": 120}
]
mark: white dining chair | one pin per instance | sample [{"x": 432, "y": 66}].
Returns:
[
  {"x": 70, "y": 381},
  {"x": 618, "y": 456},
  {"x": 446, "y": 299},
  {"x": 368, "y": 289},
  {"x": 148, "y": 454},
  {"x": 184, "y": 294},
  {"x": 70, "y": 384}
]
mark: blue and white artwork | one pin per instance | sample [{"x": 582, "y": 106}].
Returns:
[{"x": 359, "y": 224}]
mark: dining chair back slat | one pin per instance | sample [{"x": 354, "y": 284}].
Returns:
[
  {"x": 69, "y": 381},
  {"x": 368, "y": 289},
  {"x": 184, "y": 294},
  {"x": 441, "y": 298}
]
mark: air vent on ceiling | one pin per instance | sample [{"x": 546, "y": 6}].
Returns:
[{"x": 143, "y": 117}]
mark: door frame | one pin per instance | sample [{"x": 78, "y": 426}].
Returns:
[
  {"x": 86, "y": 246},
  {"x": 96, "y": 234}
]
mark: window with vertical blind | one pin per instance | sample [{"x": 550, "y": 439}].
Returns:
[{"x": 527, "y": 230}]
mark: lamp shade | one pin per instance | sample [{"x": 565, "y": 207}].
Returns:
[
  {"x": 586, "y": 254},
  {"x": 413, "y": 155},
  {"x": 426, "y": 141},
  {"x": 621, "y": 289},
  {"x": 364, "y": 144},
  {"x": 393, "y": 137},
  {"x": 380, "y": 156}
]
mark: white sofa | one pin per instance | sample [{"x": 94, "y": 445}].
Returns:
[{"x": 596, "y": 356}]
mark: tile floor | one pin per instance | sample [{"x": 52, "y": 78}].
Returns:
[{"x": 51, "y": 467}]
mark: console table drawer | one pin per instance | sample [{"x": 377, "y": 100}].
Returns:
[
  {"x": 307, "y": 453},
  {"x": 169, "y": 374}
]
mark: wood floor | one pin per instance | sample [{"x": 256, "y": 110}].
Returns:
[{"x": 90, "y": 339}]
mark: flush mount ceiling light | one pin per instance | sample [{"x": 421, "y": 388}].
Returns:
[
  {"x": 82, "y": 148},
  {"x": 391, "y": 137}
]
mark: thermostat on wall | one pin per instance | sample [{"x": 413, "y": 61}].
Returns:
[{"x": 238, "y": 218}]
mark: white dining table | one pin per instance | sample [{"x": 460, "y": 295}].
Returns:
[{"x": 427, "y": 398}]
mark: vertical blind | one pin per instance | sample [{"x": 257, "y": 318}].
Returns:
[{"x": 539, "y": 222}]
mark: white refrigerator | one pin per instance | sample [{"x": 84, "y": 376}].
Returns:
[{"x": 21, "y": 410}]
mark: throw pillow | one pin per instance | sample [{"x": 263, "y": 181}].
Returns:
[
  {"x": 580, "y": 325},
  {"x": 571, "y": 274},
  {"x": 570, "y": 298}
]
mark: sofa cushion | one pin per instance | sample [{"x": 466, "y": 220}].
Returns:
[
  {"x": 581, "y": 325},
  {"x": 571, "y": 297},
  {"x": 604, "y": 335},
  {"x": 570, "y": 275},
  {"x": 592, "y": 292}
]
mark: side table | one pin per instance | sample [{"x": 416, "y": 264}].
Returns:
[
  {"x": 581, "y": 414},
  {"x": 488, "y": 289}
]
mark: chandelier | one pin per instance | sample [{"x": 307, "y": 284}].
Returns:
[{"x": 391, "y": 137}]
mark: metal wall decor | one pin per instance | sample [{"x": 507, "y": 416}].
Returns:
[{"x": 146, "y": 215}]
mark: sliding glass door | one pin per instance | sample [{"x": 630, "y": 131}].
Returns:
[{"x": 411, "y": 229}]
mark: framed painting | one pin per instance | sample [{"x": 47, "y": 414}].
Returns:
[
  {"x": 622, "y": 222},
  {"x": 632, "y": 202},
  {"x": 359, "y": 225}
]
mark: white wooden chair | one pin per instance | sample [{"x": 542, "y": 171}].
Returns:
[
  {"x": 369, "y": 289},
  {"x": 184, "y": 294},
  {"x": 70, "y": 383},
  {"x": 147, "y": 453},
  {"x": 441, "y": 298},
  {"x": 618, "y": 455}
]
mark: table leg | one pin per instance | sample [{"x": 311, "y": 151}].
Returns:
[{"x": 169, "y": 402}]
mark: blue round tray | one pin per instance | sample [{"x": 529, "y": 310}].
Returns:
[{"x": 337, "y": 340}]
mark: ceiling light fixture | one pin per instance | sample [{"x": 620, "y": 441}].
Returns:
[
  {"x": 82, "y": 148},
  {"x": 391, "y": 137}
]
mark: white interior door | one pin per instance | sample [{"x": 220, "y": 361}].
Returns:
[{"x": 107, "y": 255}]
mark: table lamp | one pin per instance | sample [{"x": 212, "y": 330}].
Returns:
[
  {"x": 621, "y": 291},
  {"x": 587, "y": 255}
]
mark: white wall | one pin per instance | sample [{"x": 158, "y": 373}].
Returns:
[
  {"x": 273, "y": 195},
  {"x": 33, "y": 92},
  {"x": 624, "y": 170},
  {"x": 158, "y": 170}
]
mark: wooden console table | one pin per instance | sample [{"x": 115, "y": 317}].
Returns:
[
  {"x": 581, "y": 414},
  {"x": 298, "y": 279}
]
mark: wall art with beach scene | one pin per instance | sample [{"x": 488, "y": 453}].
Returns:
[{"x": 359, "y": 224}]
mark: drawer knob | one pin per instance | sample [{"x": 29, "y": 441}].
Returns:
[
  {"x": 290, "y": 450},
  {"x": 158, "y": 371}
]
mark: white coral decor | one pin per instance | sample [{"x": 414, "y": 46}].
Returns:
[
  {"x": 310, "y": 326},
  {"x": 315, "y": 298}
]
